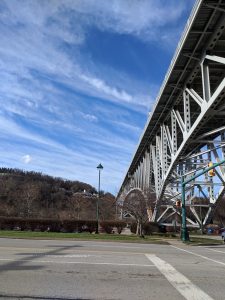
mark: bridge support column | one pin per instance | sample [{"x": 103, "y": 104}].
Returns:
[
  {"x": 163, "y": 151},
  {"x": 174, "y": 134},
  {"x": 187, "y": 112}
]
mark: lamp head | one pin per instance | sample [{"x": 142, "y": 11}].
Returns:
[{"x": 99, "y": 167}]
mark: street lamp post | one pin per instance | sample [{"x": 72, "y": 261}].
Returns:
[
  {"x": 184, "y": 231},
  {"x": 99, "y": 167}
]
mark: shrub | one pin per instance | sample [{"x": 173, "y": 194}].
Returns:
[
  {"x": 120, "y": 225},
  {"x": 56, "y": 225},
  {"x": 133, "y": 227},
  {"x": 72, "y": 225},
  {"x": 150, "y": 227},
  {"x": 91, "y": 226},
  {"x": 2, "y": 219},
  {"x": 107, "y": 226}
]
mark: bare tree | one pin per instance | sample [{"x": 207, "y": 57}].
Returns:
[
  {"x": 135, "y": 204},
  {"x": 150, "y": 200},
  {"x": 28, "y": 199},
  {"x": 107, "y": 207},
  {"x": 75, "y": 205},
  {"x": 140, "y": 206}
]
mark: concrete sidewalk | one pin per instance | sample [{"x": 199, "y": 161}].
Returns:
[
  {"x": 213, "y": 237},
  {"x": 178, "y": 242}
]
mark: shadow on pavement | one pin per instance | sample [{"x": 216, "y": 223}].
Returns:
[
  {"x": 21, "y": 297},
  {"x": 20, "y": 264},
  {"x": 206, "y": 245},
  {"x": 213, "y": 246},
  {"x": 68, "y": 246}
]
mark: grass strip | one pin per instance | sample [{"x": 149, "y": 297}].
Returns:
[
  {"x": 82, "y": 236},
  {"x": 163, "y": 239}
]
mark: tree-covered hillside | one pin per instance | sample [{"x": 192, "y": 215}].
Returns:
[{"x": 32, "y": 194}]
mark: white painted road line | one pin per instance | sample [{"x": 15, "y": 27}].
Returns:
[
  {"x": 74, "y": 262},
  {"x": 64, "y": 256},
  {"x": 109, "y": 246},
  {"x": 181, "y": 283},
  {"x": 70, "y": 251},
  {"x": 219, "y": 251},
  {"x": 199, "y": 255}
]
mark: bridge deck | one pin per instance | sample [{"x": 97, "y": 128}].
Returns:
[{"x": 204, "y": 32}]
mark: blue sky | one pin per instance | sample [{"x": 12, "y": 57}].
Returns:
[{"x": 78, "y": 79}]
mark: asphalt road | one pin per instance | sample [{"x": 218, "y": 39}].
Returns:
[{"x": 46, "y": 269}]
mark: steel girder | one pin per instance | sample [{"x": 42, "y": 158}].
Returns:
[
  {"x": 210, "y": 105},
  {"x": 191, "y": 128}
]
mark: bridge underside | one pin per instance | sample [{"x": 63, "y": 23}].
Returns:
[{"x": 186, "y": 129}]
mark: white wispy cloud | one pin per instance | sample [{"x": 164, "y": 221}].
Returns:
[
  {"x": 142, "y": 19},
  {"x": 58, "y": 160},
  {"x": 101, "y": 86},
  {"x": 128, "y": 126},
  {"x": 89, "y": 117},
  {"x": 47, "y": 84},
  {"x": 26, "y": 159},
  {"x": 32, "y": 35},
  {"x": 13, "y": 131}
]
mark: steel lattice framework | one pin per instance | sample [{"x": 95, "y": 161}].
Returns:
[{"x": 186, "y": 128}]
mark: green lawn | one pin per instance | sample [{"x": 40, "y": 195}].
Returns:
[
  {"x": 152, "y": 239},
  {"x": 82, "y": 236}
]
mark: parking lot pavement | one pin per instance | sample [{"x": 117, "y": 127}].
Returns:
[{"x": 104, "y": 270}]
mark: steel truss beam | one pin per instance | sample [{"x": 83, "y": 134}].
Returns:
[{"x": 184, "y": 142}]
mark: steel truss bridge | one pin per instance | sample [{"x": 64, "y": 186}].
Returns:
[{"x": 186, "y": 128}]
